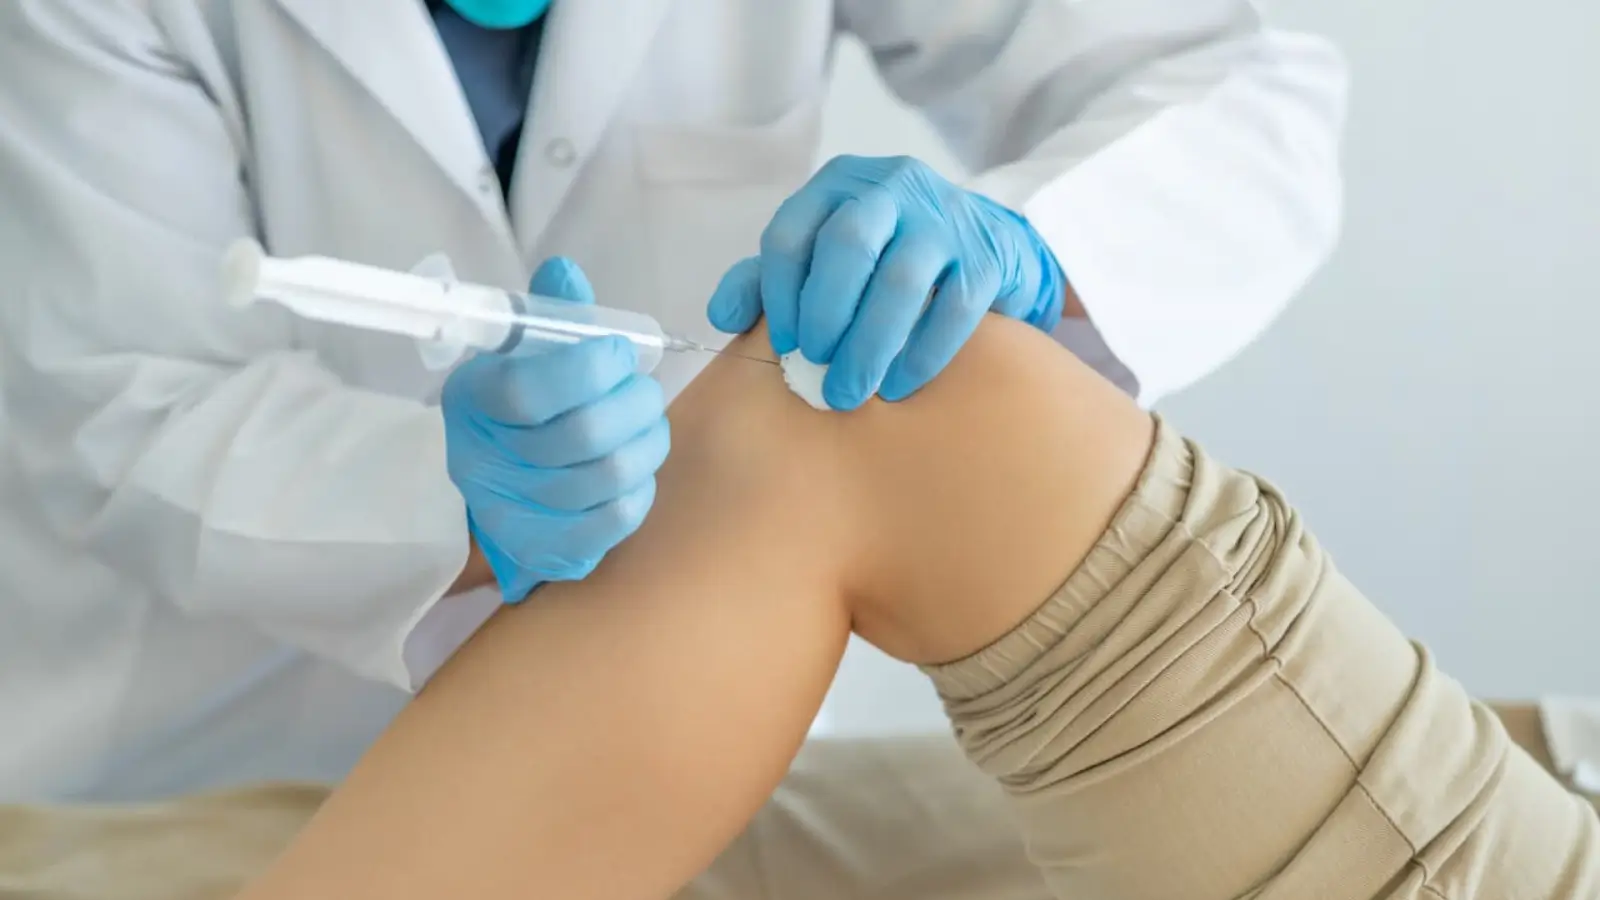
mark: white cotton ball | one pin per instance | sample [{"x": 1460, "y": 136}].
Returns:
[{"x": 804, "y": 377}]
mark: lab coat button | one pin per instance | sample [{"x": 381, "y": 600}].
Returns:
[
  {"x": 488, "y": 180},
  {"x": 560, "y": 152}
]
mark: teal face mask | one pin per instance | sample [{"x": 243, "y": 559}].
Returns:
[{"x": 500, "y": 13}]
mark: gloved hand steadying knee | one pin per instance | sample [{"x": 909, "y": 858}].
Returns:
[
  {"x": 848, "y": 264},
  {"x": 555, "y": 453}
]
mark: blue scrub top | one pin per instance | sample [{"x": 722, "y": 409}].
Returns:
[{"x": 495, "y": 68}]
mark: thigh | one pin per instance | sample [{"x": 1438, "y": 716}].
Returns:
[{"x": 888, "y": 819}]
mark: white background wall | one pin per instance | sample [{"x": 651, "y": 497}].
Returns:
[{"x": 1429, "y": 401}]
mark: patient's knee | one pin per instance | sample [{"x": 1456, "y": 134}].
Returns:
[{"x": 987, "y": 488}]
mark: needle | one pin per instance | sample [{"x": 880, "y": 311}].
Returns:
[{"x": 684, "y": 344}]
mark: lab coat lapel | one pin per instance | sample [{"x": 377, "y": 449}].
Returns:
[
  {"x": 408, "y": 71},
  {"x": 590, "y": 54}
]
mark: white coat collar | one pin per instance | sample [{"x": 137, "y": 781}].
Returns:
[
  {"x": 409, "y": 72},
  {"x": 590, "y": 53}
]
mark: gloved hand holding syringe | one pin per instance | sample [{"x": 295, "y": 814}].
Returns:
[
  {"x": 449, "y": 319},
  {"x": 553, "y": 434}
]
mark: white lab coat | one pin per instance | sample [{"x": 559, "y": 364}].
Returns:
[{"x": 224, "y": 536}]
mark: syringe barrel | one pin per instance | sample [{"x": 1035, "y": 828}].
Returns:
[
  {"x": 516, "y": 324},
  {"x": 448, "y": 318}
]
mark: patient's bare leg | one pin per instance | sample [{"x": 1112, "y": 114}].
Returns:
[
  {"x": 607, "y": 738},
  {"x": 1202, "y": 709}
]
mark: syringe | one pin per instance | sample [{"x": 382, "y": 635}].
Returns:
[{"x": 448, "y": 318}]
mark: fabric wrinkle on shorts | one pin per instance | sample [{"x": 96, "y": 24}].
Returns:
[{"x": 1207, "y": 708}]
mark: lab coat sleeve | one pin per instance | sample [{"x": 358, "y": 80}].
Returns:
[
  {"x": 1180, "y": 158},
  {"x": 192, "y": 448}
]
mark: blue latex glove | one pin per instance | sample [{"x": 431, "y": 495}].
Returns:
[
  {"x": 555, "y": 453},
  {"x": 847, "y": 265}
]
